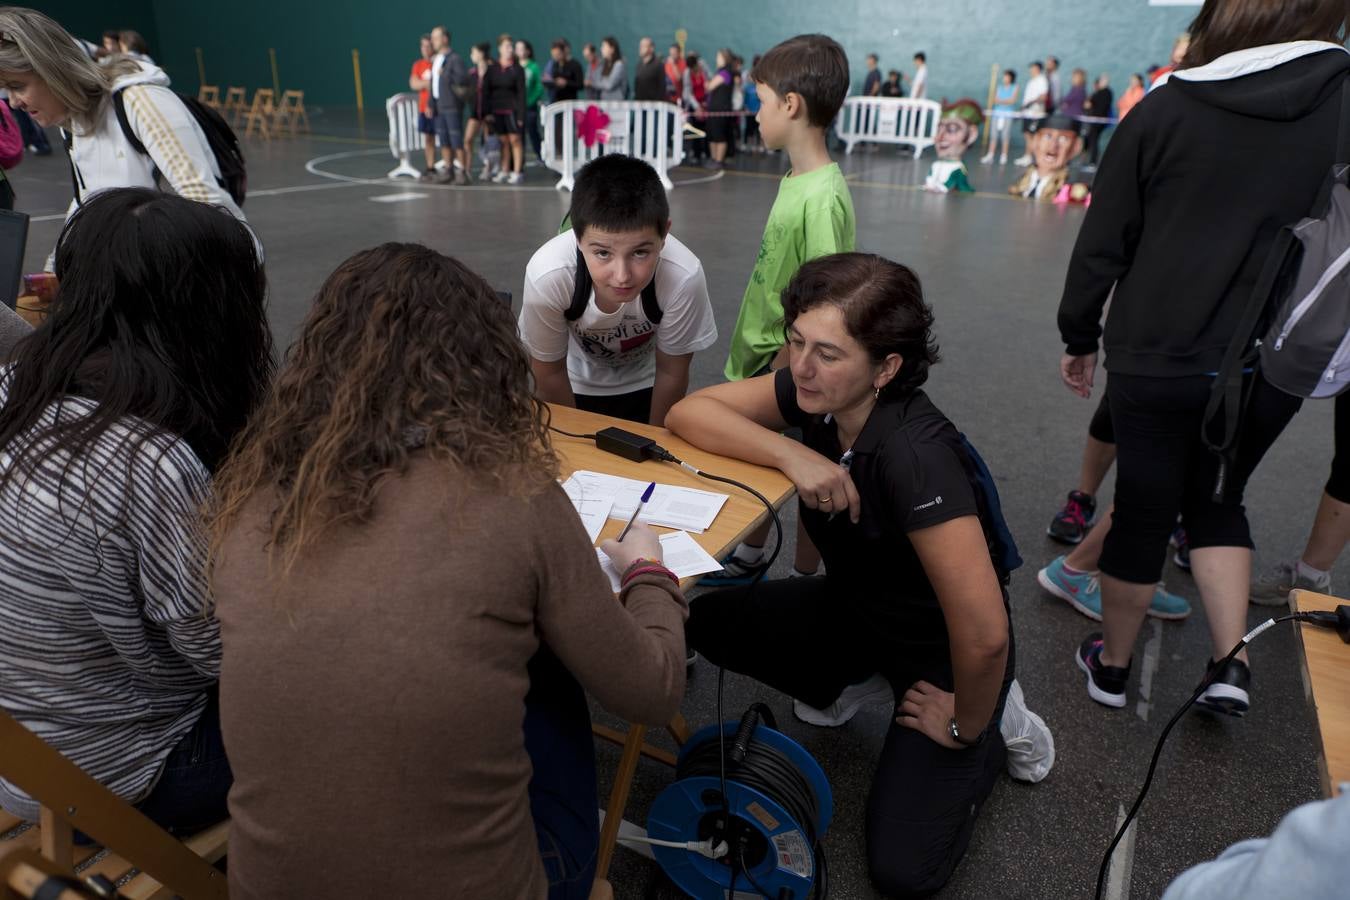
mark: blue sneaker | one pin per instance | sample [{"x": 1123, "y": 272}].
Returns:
[
  {"x": 734, "y": 572},
  {"x": 1082, "y": 591},
  {"x": 1167, "y": 605}
]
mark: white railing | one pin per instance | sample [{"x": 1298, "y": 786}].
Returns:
[
  {"x": 404, "y": 138},
  {"x": 889, "y": 120},
  {"x": 652, "y": 131}
]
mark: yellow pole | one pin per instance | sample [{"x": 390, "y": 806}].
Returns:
[
  {"x": 989, "y": 122},
  {"x": 356, "y": 73},
  {"x": 201, "y": 68},
  {"x": 276, "y": 78},
  {"x": 681, "y": 37}
]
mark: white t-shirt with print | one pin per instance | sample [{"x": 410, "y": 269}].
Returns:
[
  {"x": 613, "y": 353},
  {"x": 1038, "y": 86}
]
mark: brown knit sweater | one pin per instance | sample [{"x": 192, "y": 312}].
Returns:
[{"x": 372, "y": 704}]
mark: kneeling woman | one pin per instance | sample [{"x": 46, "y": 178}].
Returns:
[
  {"x": 911, "y": 595},
  {"x": 404, "y": 592}
]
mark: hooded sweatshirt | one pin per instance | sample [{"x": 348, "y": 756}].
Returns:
[
  {"x": 103, "y": 157},
  {"x": 1191, "y": 192}
]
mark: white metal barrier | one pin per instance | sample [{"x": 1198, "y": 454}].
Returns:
[
  {"x": 404, "y": 138},
  {"x": 889, "y": 120},
  {"x": 652, "y": 131}
]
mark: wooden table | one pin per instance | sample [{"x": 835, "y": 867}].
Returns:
[
  {"x": 1326, "y": 669},
  {"x": 741, "y": 514}
]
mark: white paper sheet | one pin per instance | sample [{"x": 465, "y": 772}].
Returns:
[
  {"x": 673, "y": 507},
  {"x": 680, "y": 552}
]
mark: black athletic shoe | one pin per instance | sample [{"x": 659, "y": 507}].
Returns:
[
  {"x": 1072, "y": 522},
  {"x": 1105, "y": 684},
  {"x": 1227, "y": 692}
]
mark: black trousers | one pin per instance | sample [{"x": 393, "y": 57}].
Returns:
[
  {"x": 1092, "y": 136},
  {"x": 800, "y": 637},
  {"x": 1100, "y": 426},
  {"x": 1164, "y": 469},
  {"x": 635, "y": 406}
]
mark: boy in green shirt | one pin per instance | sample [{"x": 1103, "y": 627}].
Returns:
[
  {"x": 534, "y": 93},
  {"x": 801, "y": 84}
]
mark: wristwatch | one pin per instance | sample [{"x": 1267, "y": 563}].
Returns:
[{"x": 955, "y": 732}]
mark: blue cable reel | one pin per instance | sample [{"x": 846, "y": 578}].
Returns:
[{"x": 777, "y": 808}]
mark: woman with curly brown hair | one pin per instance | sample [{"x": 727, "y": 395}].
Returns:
[{"x": 400, "y": 583}]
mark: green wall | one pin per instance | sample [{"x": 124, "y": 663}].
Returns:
[
  {"x": 314, "y": 39},
  {"x": 90, "y": 19}
]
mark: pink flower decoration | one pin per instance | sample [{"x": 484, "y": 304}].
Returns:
[{"x": 591, "y": 125}]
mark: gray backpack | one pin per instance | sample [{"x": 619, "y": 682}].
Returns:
[{"x": 1296, "y": 327}]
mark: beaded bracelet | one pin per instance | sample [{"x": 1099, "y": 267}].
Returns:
[{"x": 646, "y": 567}]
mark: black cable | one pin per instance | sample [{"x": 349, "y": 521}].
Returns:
[
  {"x": 1195, "y": 695},
  {"x": 584, "y": 437}
]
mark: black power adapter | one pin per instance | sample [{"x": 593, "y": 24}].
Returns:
[
  {"x": 1338, "y": 621},
  {"x": 626, "y": 444}
]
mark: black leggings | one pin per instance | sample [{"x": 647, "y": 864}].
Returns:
[
  {"x": 1100, "y": 426},
  {"x": 1163, "y": 468},
  {"x": 799, "y": 636}
]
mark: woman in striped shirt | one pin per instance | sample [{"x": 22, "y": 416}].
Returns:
[{"x": 113, "y": 414}]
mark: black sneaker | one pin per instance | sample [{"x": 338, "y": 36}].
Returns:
[
  {"x": 1178, "y": 540},
  {"x": 1105, "y": 684},
  {"x": 1228, "y": 687},
  {"x": 1072, "y": 522}
]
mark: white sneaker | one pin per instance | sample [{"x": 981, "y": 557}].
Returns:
[
  {"x": 987, "y": 158},
  {"x": 1031, "y": 746},
  {"x": 500, "y": 177},
  {"x": 1003, "y": 159},
  {"x": 872, "y": 691},
  {"x": 1023, "y": 160},
  {"x": 516, "y": 178}
]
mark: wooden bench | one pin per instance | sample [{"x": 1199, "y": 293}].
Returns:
[{"x": 156, "y": 863}]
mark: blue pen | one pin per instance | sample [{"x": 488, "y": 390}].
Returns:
[{"x": 646, "y": 495}]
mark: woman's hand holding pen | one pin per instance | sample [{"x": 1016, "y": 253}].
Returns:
[{"x": 822, "y": 483}]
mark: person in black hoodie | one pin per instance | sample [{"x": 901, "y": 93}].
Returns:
[{"x": 1191, "y": 193}]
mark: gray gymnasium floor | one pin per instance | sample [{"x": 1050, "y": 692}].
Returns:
[{"x": 992, "y": 267}]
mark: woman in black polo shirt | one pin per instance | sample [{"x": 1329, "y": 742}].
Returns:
[{"x": 911, "y": 598}]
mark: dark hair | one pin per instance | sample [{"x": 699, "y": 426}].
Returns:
[
  {"x": 135, "y": 43},
  {"x": 883, "y": 308},
  {"x": 560, "y": 44},
  {"x": 1035, "y": 64},
  {"x": 873, "y": 57},
  {"x": 893, "y": 73},
  {"x": 404, "y": 351},
  {"x": 112, "y": 34},
  {"x": 814, "y": 67},
  {"x": 160, "y": 319},
  {"x": 618, "y": 54},
  {"x": 485, "y": 50},
  {"x": 1011, "y": 73},
  {"x": 1223, "y": 26},
  {"x": 618, "y": 193},
  {"x": 425, "y": 37},
  {"x": 1052, "y": 59},
  {"x": 529, "y": 48},
  {"x": 1139, "y": 75},
  {"x": 921, "y": 56}
]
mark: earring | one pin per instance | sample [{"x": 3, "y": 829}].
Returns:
[{"x": 876, "y": 394}]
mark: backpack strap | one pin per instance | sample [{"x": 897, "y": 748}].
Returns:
[
  {"x": 581, "y": 290},
  {"x": 1228, "y": 396},
  {"x": 76, "y": 179},
  {"x": 120, "y": 107},
  {"x": 582, "y": 286},
  {"x": 1343, "y": 134}
]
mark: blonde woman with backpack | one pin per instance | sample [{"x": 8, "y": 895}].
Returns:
[{"x": 50, "y": 76}]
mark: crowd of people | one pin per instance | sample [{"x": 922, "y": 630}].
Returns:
[{"x": 192, "y": 537}]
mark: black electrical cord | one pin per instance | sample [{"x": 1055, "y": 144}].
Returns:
[
  {"x": 584, "y": 437},
  {"x": 1311, "y": 618}
]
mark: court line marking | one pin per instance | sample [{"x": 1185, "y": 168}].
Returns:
[
  {"x": 882, "y": 185},
  {"x": 313, "y": 168},
  {"x": 265, "y": 192},
  {"x": 1117, "y": 885},
  {"x": 403, "y": 197},
  {"x": 1152, "y": 654}
]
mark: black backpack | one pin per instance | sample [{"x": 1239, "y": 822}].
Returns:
[{"x": 224, "y": 143}]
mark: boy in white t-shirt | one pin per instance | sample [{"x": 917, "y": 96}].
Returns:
[{"x": 621, "y": 341}]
